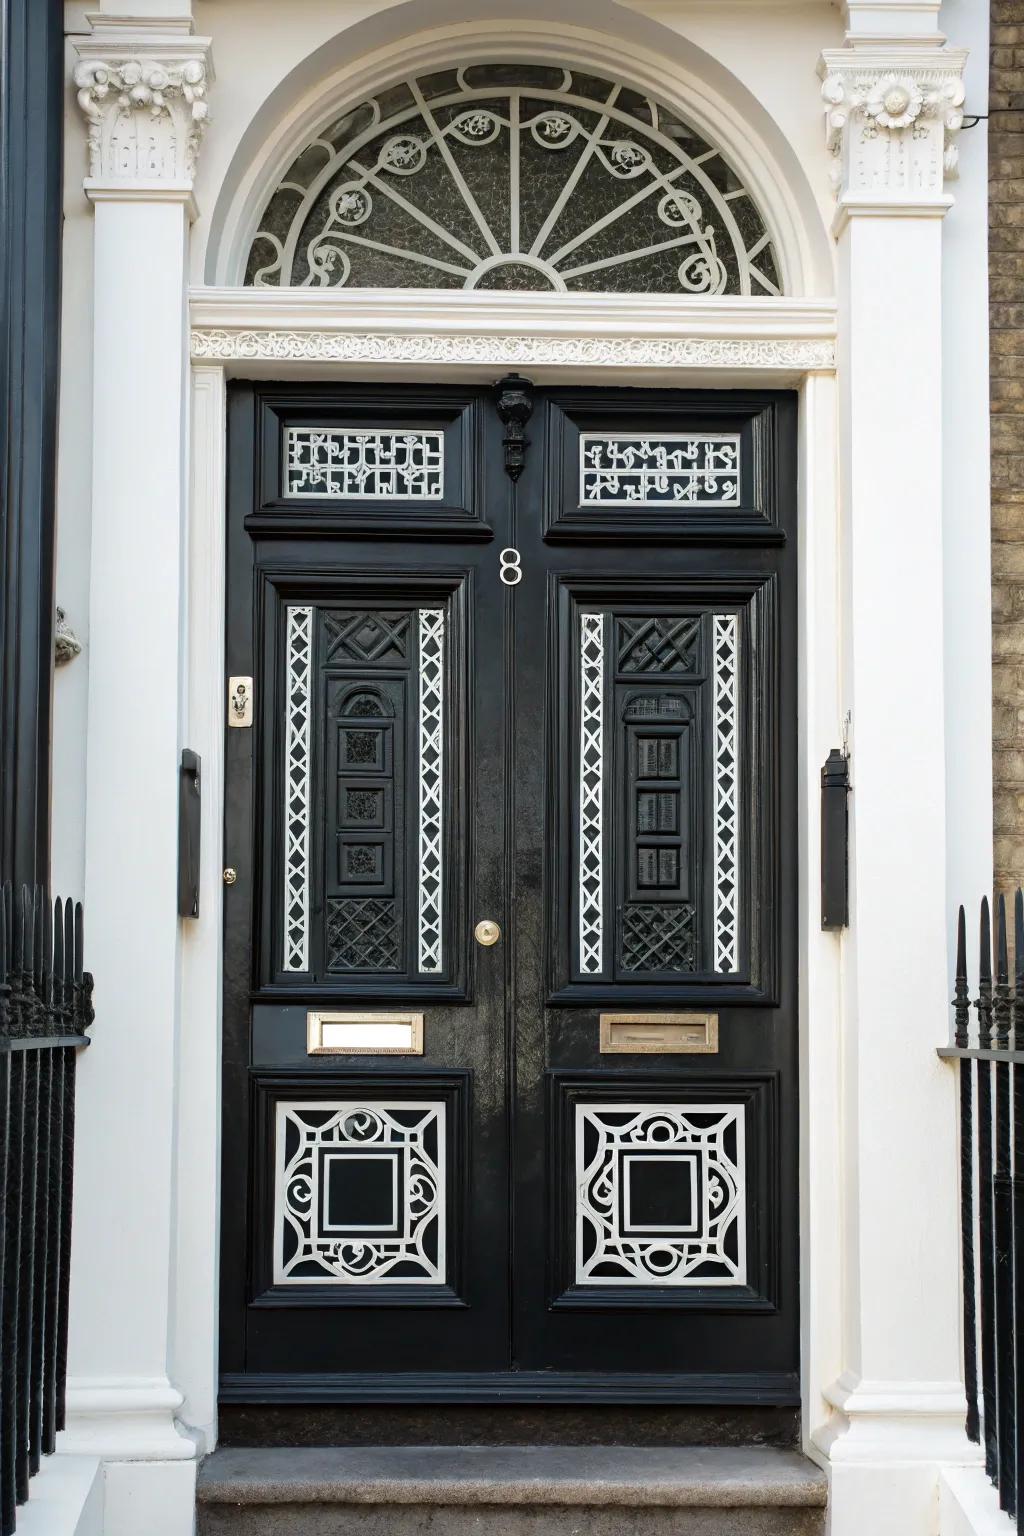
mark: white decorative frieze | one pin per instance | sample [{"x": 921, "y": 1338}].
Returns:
[
  {"x": 795, "y": 354},
  {"x": 145, "y": 114},
  {"x": 892, "y": 120}
]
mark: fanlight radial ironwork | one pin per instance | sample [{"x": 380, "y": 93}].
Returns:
[{"x": 513, "y": 176}]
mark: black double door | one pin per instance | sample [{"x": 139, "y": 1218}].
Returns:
[{"x": 510, "y": 1006}]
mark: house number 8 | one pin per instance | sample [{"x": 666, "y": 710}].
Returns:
[{"x": 511, "y": 569}]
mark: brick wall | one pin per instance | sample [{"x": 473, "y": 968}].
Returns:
[{"x": 1006, "y": 274}]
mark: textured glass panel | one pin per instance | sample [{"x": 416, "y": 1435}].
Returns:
[{"x": 513, "y": 176}]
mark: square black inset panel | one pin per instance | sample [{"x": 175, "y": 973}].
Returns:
[
  {"x": 363, "y": 748},
  {"x": 661, "y": 1192},
  {"x": 362, "y": 806},
  {"x": 360, "y": 1191}
]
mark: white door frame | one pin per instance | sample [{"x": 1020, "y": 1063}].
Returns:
[{"x": 594, "y": 338}]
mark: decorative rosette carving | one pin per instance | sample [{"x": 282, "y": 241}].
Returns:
[{"x": 891, "y": 123}]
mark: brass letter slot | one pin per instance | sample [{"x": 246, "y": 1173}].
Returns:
[
  {"x": 364, "y": 1034},
  {"x": 666, "y": 1034}
]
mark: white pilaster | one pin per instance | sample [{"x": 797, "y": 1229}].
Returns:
[
  {"x": 143, "y": 97},
  {"x": 897, "y": 1404}
]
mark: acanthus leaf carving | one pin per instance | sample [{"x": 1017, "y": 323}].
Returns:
[
  {"x": 891, "y": 121},
  {"x": 146, "y": 116}
]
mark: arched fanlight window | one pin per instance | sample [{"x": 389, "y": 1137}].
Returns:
[{"x": 513, "y": 176}]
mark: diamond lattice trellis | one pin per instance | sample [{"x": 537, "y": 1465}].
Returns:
[
  {"x": 591, "y": 839},
  {"x": 431, "y": 825},
  {"x": 299, "y": 655},
  {"x": 726, "y": 791}
]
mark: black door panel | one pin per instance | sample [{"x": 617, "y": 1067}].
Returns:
[{"x": 562, "y": 701}]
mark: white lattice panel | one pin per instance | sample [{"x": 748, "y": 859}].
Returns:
[
  {"x": 672, "y": 470},
  {"x": 359, "y": 1193},
  {"x": 341, "y": 464},
  {"x": 298, "y": 664},
  {"x": 697, "y": 1153},
  {"x": 430, "y": 933},
  {"x": 726, "y": 791},
  {"x": 591, "y": 794}
]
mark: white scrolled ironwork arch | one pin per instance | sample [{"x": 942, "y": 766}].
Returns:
[{"x": 508, "y": 175}]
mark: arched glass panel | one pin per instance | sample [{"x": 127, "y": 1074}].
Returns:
[{"x": 513, "y": 176}]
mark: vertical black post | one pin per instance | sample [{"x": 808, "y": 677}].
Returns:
[
  {"x": 962, "y": 1039},
  {"x": 6, "y": 1484},
  {"x": 31, "y": 127},
  {"x": 985, "y": 1223},
  {"x": 1003, "y": 1225},
  {"x": 1018, "y": 1199}
]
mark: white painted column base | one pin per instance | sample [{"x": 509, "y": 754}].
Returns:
[
  {"x": 888, "y": 1444},
  {"x": 131, "y": 1419}
]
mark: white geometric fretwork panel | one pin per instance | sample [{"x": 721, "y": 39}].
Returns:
[
  {"x": 298, "y": 670},
  {"x": 660, "y": 1194},
  {"x": 591, "y": 780},
  {"x": 430, "y": 937},
  {"x": 359, "y": 1193},
  {"x": 674, "y": 469},
  {"x": 726, "y": 879},
  {"x": 342, "y": 464}
]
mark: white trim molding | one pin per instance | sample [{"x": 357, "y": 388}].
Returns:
[
  {"x": 396, "y": 328},
  {"x": 877, "y": 1421},
  {"x": 892, "y": 117}
]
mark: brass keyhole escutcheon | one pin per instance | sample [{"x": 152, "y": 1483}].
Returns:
[
  {"x": 230, "y": 876},
  {"x": 487, "y": 932}
]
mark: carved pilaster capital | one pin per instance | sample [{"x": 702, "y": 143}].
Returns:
[
  {"x": 145, "y": 106},
  {"x": 891, "y": 118}
]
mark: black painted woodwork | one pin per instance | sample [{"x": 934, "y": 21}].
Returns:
[
  {"x": 835, "y": 841},
  {"x": 511, "y": 1032},
  {"x": 31, "y": 133}
]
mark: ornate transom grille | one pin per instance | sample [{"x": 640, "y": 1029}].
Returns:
[{"x": 513, "y": 176}]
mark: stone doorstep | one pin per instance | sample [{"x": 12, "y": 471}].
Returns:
[{"x": 687, "y": 1477}]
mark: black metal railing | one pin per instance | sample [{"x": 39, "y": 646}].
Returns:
[
  {"x": 45, "y": 1010},
  {"x": 990, "y": 1056}
]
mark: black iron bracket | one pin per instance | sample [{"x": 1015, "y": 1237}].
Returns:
[
  {"x": 190, "y": 806},
  {"x": 514, "y": 405},
  {"x": 835, "y": 841}
]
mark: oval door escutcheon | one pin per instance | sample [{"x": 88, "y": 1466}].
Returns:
[
  {"x": 230, "y": 876},
  {"x": 487, "y": 932}
]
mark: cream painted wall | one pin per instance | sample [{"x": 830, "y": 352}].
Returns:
[{"x": 268, "y": 56}]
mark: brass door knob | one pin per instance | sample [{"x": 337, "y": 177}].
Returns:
[
  {"x": 230, "y": 876},
  {"x": 487, "y": 932}
]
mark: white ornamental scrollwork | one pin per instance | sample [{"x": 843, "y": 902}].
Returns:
[
  {"x": 662, "y": 210},
  {"x": 892, "y": 126},
  {"x": 145, "y": 116},
  {"x": 216, "y": 345},
  {"x": 327, "y": 1155},
  {"x": 698, "y": 1153}
]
